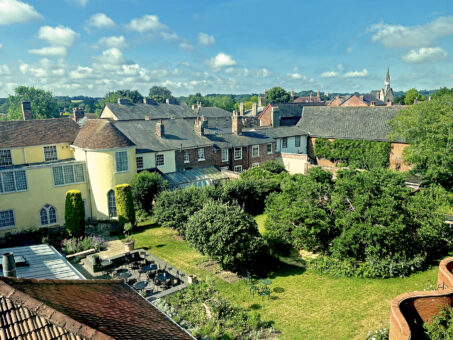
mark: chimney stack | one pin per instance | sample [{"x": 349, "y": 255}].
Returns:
[
  {"x": 77, "y": 113},
  {"x": 389, "y": 103},
  {"x": 26, "y": 111},
  {"x": 373, "y": 103},
  {"x": 318, "y": 94},
  {"x": 167, "y": 101},
  {"x": 260, "y": 101},
  {"x": 200, "y": 125},
  {"x": 9, "y": 265},
  {"x": 148, "y": 101},
  {"x": 292, "y": 94},
  {"x": 160, "y": 129},
  {"x": 415, "y": 101},
  {"x": 254, "y": 110},
  {"x": 123, "y": 101},
  {"x": 241, "y": 108},
  {"x": 236, "y": 124},
  {"x": 311, "y": 96},
  {"x": 275, "y": 116},
  {"x": 147, "y": 117}
]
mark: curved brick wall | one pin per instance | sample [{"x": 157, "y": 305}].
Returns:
[{"x": 410, "y": 310}]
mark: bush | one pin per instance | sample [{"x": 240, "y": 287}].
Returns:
[
  {"x": 76, "y": 245},
  {"x": 145, "y": 186},
  {"x": 274, "y": 167},
  {"x": 124, "y": 204},
  {"x": 74, "y": 214},
  {"x": 441, "y": 326},
  {"x": 378, "y": 334},
  {"x": 173, "y": 208},
  {"x": 229, "y": 235}
]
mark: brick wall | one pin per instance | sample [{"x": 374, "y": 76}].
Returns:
[
  {"x": 247, "y": 159},
  {"x": 354, "y": 101},
  {"x": 266, "y": 116},
  {"x": 193, "y": 157}
]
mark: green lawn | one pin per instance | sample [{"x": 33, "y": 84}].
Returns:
[{"x": 304, "y": 305}]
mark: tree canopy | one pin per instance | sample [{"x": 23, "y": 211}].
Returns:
[
  {"x": 411, "y": 95},
  {"x": 145, "y": 186},
  {"x": 277, "y": 95},
  {"x": 112, "y": 97},
  {"x": 43, "y": 104},
  {"x": 428, "y": 128},
  {"x": 160, "y": 94}
]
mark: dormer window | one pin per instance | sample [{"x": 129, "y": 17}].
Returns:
[
  {"x": 5, "y": 157},
  {"x": 50, "y": 153}
]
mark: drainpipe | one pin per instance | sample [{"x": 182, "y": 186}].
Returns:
[{"x": 9, "y": 265}]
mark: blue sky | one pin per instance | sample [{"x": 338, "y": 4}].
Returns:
[{"x": 89, "y": 47}]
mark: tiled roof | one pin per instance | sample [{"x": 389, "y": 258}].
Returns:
[
  {"x": 79, "y": 309},
  {"x": 364, "y": 122},
  {"x": 15, "y": 133},
  {"x": 213, "y": 112},
  {"x": 101, "y": 134},
  {"x": 177, "y": 133}
]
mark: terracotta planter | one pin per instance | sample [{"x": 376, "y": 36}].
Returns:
[
  {"x": 192, "y": 279},
  {"x": 129, "y": 246}
]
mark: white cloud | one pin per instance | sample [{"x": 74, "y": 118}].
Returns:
[
  {"x": 169, "y": 36},
  {"x": 329, "y": 74},
  {"x": 1, "y": 45},
  {"x": 412, "y": 36},
  {"x": 206, "y": 39},
  {"x": 4, "y": 70},
  {"x": 14, "y": 11},
  {"x": 60, "y": 35},
  {"x": 296, "y": 76},
  {"x": 100, "y": 20},
  {"x": 79, "y": 2},
  {"x": 146, "y": 23},
  {"x": 113, "y": 41},
  {"x": 221, "y": 60},
  {"x": 81, "y": 72},
  {"x": 112, "y": 56},
  {"x": 186, "y": 46},
  {"x": 425, "y": 55},
  {"x": 356, "y": 74},
  {"x": 50, "y": 51}
]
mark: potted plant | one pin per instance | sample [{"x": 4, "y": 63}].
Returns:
[{"x": 129, "y": 242}]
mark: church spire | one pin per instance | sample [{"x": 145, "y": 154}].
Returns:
[{"x": 387, "y": 77}]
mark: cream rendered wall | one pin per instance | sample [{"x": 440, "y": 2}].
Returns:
[
  {"x": 169, "y": 161},
  {"x": 35, "y": 154},
  {"x": 149, "y": 160},
  {"x": 41, "y": 191},
  {"x": 18, "y": 155},
  {"x": 291, "y": 148},
  {"x": 103, "y": 177},
  {"x": 107, "y": 113}
]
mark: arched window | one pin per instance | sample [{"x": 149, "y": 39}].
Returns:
[
  {"x": 48, "y": 215},
  {"x": 111, "y": 203}
]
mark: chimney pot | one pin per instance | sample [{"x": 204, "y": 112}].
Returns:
[
  {"x": 292, "y": 94},
  {"x": 26, "y": 111},
  {"x": 123, "y": 101},
  {"x": 254, "y": 109},
  {"x": 241, "y": 108},
  {"x": 167, "y": 101},
  {"x": 77, "y": 113},
  {"x": 236, "y": 124},
  {"x": 160, "y": 129},
  {"x": 9, "y": 265},
  {"x": 260, "y": 101},
  {"x": 373, "y": 103},
  {"x": 147, "y": 117}
]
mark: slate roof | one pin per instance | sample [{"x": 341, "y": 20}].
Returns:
[
  {"x": 368, "y": 98},
  {"x": 101, "y": 134},
  {"x": 177, "y": 133},
  {"x": 79, "y": 309},
  {"x": 155, "y": 111},
  {"x": 368, "y": 123},
  {"x": 16, "y": 133},
  {"x": 226, "y": 139},
  {"x": 44, "y": 262},
  {"x": 213, "y": 112}
]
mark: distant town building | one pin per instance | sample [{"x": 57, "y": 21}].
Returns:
[{"x": 386, "y": 93}]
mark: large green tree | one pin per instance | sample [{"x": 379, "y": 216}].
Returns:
[
  {"x": 411, "y": 95},
  {"x": 277, "y": 95},
  {"x": 43, "y": 104},
  {"x": 428, "y": 128},
  {"x": 199, "y": 98},
  {"x": 112, "y": 97},
  {"x": 224, "y": 102},
  {"x": 145, "y": 186}
]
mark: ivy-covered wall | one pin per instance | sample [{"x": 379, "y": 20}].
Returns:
[{"x": 359, "y": 154}]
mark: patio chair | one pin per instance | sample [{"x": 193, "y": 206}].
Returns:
[
  {"x": 254, "y": 289},
  {"x": 265, "y": 292}
]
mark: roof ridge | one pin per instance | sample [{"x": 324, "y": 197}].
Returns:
[{"x": 50, "y": 314}]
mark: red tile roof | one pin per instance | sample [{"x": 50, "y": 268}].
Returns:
[
  {"x": 15, "y": 133},
  {"x": 79, "y": 309}
]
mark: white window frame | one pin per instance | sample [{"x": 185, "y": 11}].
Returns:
[
  {"x": 10, "y": 225},
  {"x": 163, "y": 159},
  {"x": 284, "y": 142},
  {"x": 225, "y": 153},
  {"x": 269, "y": 144},
  {"x": 255, "y": 164},
  {"x": 186, "y": 156},
  {"x": 73, "y": 174},
  {"x": 137, "y": 161},
  {"x": 239, "y": 155},
  {"x": 10, "y": 157},
  {"x": 200, "y": 154},
  {"x": 237, "y": 169},
  {"x": 2, "y": 183},
  {"x": 47, "y": 208},
  {"x": 44, "y": 153},
  {"x": 255, "y": 148},
  {"x": 127, "y": 161},
  {"x": 109, "y": 206},
  {"x": 297, "y": 141}
]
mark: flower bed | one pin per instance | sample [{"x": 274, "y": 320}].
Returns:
[{"x": 76, "y": 245}]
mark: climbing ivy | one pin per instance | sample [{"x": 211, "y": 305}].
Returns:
[{"x": 359, "y": 154}]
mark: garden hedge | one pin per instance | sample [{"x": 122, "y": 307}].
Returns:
[
  {"x": 124, "y": 204},
  {"x": 74, "y": 214}
]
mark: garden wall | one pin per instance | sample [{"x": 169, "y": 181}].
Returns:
[{"x": 410, "y": 310}]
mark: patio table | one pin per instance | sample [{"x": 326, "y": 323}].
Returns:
[
  {"x": 149, "y": 267},
  {"x": 164, "y": 276},
  {"x": 123, "y": 273},
  {"x": 140, "y": 285}
]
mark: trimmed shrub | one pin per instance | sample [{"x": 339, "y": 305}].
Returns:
[
  {"x": 145, "y": 186},
  {"x": 229, "y": 235},
  {"x": 248, "y": 193},
  {"x": 124, "y": 204},
  {"x": 173, "y": 208},
  {"x": 74, "y": 213},
  {"x": 274, "y": 167}
]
